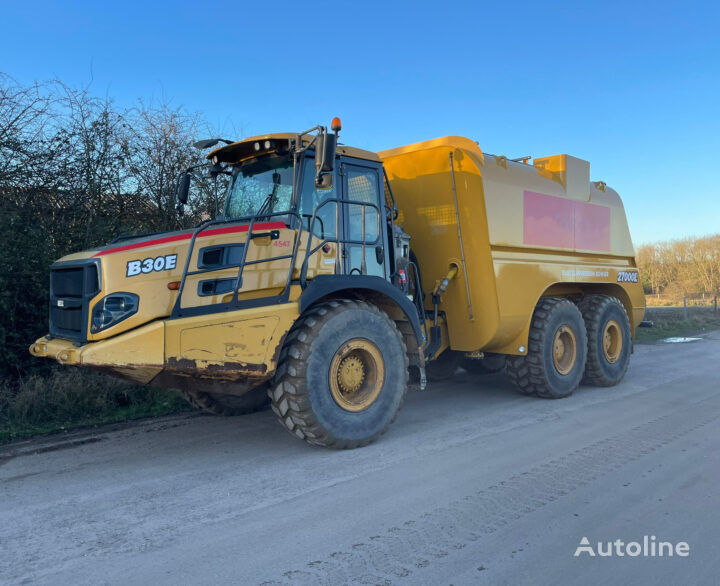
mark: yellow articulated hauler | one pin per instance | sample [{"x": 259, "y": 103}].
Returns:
[{"x": 335, "y": 275}]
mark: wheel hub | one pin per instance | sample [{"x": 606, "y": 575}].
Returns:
[
  {"x": 351, "y": 374},
  {"x": 612, "y": 341},
  {"x": 356, "y": 375},
  {"x": 564, "y": 350}
]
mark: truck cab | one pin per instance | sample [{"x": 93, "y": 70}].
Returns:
[{"x": 286, "y": 184}]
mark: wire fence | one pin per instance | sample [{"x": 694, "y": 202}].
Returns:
[
  {"x": 682, "y": 311},
  {"x": 700, "y": 299}
]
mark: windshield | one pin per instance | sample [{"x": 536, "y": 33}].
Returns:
[{"x": 260, "y": 186}]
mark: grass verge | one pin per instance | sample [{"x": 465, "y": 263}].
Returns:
[
  {"x": 71, "y": 398},
  {"x": 671, "y": 323}
]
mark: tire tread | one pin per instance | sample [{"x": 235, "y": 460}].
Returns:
[
  {"x": 527, "y": 372},
  {"x": 289, "y": 398},
  {"x": 591, "y": 307}
]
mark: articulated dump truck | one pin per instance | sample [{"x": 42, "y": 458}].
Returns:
[{"x": 335, "y": 277}]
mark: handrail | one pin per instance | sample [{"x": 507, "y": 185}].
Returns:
[
  {"x": 418, "y": 301},
  {"x": 309, "y": 251},
  {"x": 238, "y": 282},
  {"x": 386, "y": 183},
  {"x": 177, "y": 308},
  {"x": 339, "y": 202}
]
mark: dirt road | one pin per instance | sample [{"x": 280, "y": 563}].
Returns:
[{"x": 473, "y": 484}]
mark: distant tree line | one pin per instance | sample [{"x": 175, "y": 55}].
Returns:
[
  {"x": 75, "y": 172},
  {"x": 677, "y": 268}
]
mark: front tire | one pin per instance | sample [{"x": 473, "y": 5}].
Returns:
[
  {"x": 342, "y": 375},
  {"x": 556, "y": 354},
  {"x": 609, "y": 339}
]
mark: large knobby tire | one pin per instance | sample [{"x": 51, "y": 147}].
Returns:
[
  {"x": 342, "y": 375},
  {"x": 488, "y": 364},
  {"x": 443, "y": 367},
  {"x": 557, "y": 350},
  {"x": 229, "y": 405},
  {"x": 609, "y": 339}
]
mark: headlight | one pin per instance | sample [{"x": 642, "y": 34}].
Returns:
[{"x": 113, "y": 309}]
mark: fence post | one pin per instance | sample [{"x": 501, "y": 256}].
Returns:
[
  {"x": 685, "y": 305},
  {"x": 715, "y": 303}
]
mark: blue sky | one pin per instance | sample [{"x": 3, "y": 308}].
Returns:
[{"x": 632, "y": 87}]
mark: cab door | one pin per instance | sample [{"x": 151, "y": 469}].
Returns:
[{"x": 361, "y": 184}]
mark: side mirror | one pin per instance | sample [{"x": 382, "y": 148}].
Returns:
[
  {"x": 182, "y": 189},
  {"x": 325, "y": 159},
  {"x": 206, "y": 143},
  {"x": 379, "y": 254},
  {"x": 210, "y": 142}
]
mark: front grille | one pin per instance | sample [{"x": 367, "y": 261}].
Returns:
[
  {"x": 66, "y": 318},
  {"x": 72, "y": 286},
  {"x": 74, "y": 282}
]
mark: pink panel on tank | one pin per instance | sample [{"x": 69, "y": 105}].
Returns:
[
  {"x": 547, "y": 220},
  {"x": 559, "y": 222},
  {"x": 592, "y": 227}
]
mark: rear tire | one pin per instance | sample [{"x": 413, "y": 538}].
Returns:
[
  {"x": 557, "y": 351},
  {"x": 342, "y": 375},
  {"x": 229, "y": 405},
  {"x": 609, "y": 339},
  {"x": 488, "y": 364}
]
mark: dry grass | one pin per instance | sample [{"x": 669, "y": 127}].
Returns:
[
  {"x": 670, "y": 322},
  {"x": 72, "y": 397}
]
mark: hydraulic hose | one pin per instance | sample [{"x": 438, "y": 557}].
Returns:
[{"x": 443, "y": 285}]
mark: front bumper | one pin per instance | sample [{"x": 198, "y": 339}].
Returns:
[
  {"x": 237, "y": 347},
  {"x": 138, "y": 355}
]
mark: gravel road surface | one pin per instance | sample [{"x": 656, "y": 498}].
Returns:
[{"x": 473, "y": 484}]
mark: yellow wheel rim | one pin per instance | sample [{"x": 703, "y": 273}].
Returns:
[
  {"x": 356, "y": 375},
  {"x": 564, "y": 350},
  {"x": 612, "y": 341}
]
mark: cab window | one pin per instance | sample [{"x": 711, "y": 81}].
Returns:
[
  {"x": 362, "y": 186},
  {"x": 311, "y": 198}
]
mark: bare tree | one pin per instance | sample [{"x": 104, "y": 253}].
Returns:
[
  {"x": 76, "y": 171},
  {"x": 158, "y": 145},
  {"x": 24, "y": 116},
  {"x": 680, "y": 267}
]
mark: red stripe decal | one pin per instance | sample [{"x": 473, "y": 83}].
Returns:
[
  {"x": 559, "y": 222},
  {"x": 179, "y": 237}
]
